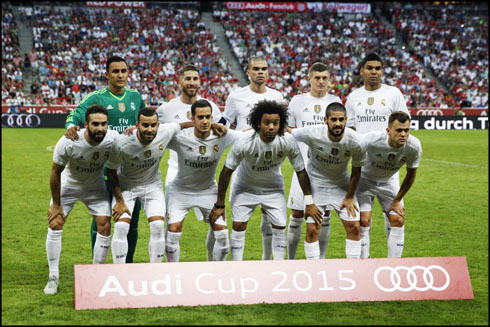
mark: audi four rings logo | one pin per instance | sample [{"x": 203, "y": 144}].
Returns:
[
  {"x": 20, "y": 120},
  {"x": 411, "y": 278},
  {"x": 429, "y": 112}
]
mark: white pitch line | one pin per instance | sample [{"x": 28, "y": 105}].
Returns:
[{"x": 455, "y": 163}]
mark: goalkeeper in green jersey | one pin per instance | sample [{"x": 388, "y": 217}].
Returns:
[{"x": 122, "y": 106}]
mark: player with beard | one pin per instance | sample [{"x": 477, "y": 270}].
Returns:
[
  {"x": 331, "y": 148},
  {"x": 368, "y": 109},
  {"x": 178, "y": 110},
  {"x": 82, "y": 180},
  {"x": 122, "y": 106},
  {"x": 258, "y": 157},
  {"x": 237, "y": 109}
]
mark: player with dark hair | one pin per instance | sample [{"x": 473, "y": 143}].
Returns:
[
  {"x": 387, "y": 152},
  {"x": 331, "y": 147},
  {"x": 368, "y": 109},
  {"x": 257, "y": 157},
  {"x": 82, "y": 180},
  {"x": 308, "y": 109},
  {"x": 122, "y": 106},
  {"x": 237, "y": 109}
]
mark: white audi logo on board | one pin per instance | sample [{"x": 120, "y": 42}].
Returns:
[
  {"x": 429, "y": 112},
  {"x": 396, "y": 279},
  {"x": 20, "y": 120}
]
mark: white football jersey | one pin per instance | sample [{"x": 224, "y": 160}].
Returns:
[
  {"x": 327, "y": 165},
  {"x": 198, "y": 159},
  {"x": 368, "y": 111},
  {"x": 258, "y": 164},
  {"x": 383, "y": 160},
  {"x": 307, "y": 110},
  {"x": 138, "y": 163},
  {"x": 83, "y": 162},
  {"x": 240, "y": 102},
  {"x": 175, "y": 111}
]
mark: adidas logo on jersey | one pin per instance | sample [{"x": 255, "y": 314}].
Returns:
[
  {"x": 110, "y": 107},
  {"x": 306, "y": 110},
  {"x": 359, "y": 103},
  {"x": 176, "y": 117},
  {"x": 189, "y": 149}
]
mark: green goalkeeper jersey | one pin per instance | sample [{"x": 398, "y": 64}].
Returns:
[{"x": 122, "y": 109}]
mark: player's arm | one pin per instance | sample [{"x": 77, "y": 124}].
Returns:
[
  {"x": 55, "y": 208},
  {"x": 120, "y": 206},
  {"x": 311, "y": 210},
  {"x": 74, "y": 120},
  {"x": 349, "y": 203},
  {"x": 219, "y": 129},
  {"x": 406, "y": 185},
  {"x": 219, "y": 207}
]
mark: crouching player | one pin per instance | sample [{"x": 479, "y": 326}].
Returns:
[{"x": 82, "y": 180}]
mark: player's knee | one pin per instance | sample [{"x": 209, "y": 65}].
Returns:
[
  {"x": 353, "y": 231},
  {"x": 297, "y": 213},
  {"x": 57, "y": 223},
  {"x": 104, "y": 227},
  {"x": 396, "y": 221},
  {"x": 175, "y": 228},
  {"x": 365, "y": 221},
  {"x": 239, "y": 226}
]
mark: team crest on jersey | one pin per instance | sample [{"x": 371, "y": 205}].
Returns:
[
  {"x": 133, "y": 106},
  {"x": 391, "y": 156},
  {"x": 147, "y": 153},
  {"x": 268, "y": 154},
  {"x": 347, "y": 153},
  {"x": 215, "y": 148},
  {"x": 383, "y": 102},
  {"x": 160, "y": 148},
  {"x": 370, "y": 101},
  {"x": 317, "y": 108},
  {"x": 95, "y": 156},
  {"x": 334, "y": 151},
  {"x": 122, "y": 107},
  {"x": 106, "y": 155},
  {"x": 189, "y": 115},
  {"x": 280, "y": 154},
  {"x": 202, "y": 149}
]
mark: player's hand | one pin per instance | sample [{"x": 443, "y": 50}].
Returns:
[
  {"x": 119, "y": 209},
  {"x": 397, "y": 207},
  {"x": 129, "y": 131},
  {"x": 288, "y": 129},
  {"x": 350, "y": 205},
  {"x": 313, "y": 212},
  {"x": 54, "y": 211},
  {"x": 71, "y": 133},
  {"x": 215, "y": 214},
  {"x": 219, "y": 129}
]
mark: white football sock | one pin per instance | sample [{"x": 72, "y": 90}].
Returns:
[
  {"x": 101, "y": 248},
  {"x": 324, "y": 236},
  {"x": 312, "y": 250},
  {"x": 387, "y": 226},
  {"x": 53, "y": 251},
  {"x": 156, "y": 246},
  {"x": 279, "y": 243},
  {"x": 365, "y": 242},
  {"x": 396, "y": 242},
  {"x": 266, "y": 228},
  {"x": 119, "y": 244},
  {"x": 173, "y": 246},
  {"x": 210, "y": 243},
  {"x": 294, "y": 235},
  {"x": 352, "y": 249},
  {"x": 221, "y": 246},
  {"x": 237, "y": 245}
]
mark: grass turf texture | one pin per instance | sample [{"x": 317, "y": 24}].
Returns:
[{"x": 447, "y": 215}]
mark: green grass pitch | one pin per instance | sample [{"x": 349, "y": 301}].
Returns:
[{"x": 447, "y": 215}]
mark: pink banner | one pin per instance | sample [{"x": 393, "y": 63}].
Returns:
[
  {"x": 37, "y": 109},
  {"x": 289, "y": 281},
  {"x": 116, "y": 4},
  {"x": 266, "y": 6}
]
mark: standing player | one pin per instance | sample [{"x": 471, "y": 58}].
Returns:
[
  {"x": 122, "y": 106},
  {"x": 331, "y": 148},
  {"x": 138, "y": 158},
  {"x": 308, "y": 109},
  {"x": 237, "y": 110},
  {"x": 178, "y": 110},
  {"x": 386, "y": 154},
  {"x": 194, "y": 186},
  {"x": 258, "y": 155},
  {"x": 368, "y": 109},
  {"x": 81, "y": 180}
]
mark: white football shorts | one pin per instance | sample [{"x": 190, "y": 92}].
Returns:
[
  {"x": 330, "y": 198},
  {"x": 384, "y": 191},
  {"x": 296, "y": 200},
  {"x": 151, "y": 197},
  {"x": 96, "y": 199}
]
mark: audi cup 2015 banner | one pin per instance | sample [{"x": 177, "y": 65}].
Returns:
[{"x": 288, "y": 281}]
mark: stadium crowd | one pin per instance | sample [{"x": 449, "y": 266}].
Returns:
[{"x": 71, "y": 45}]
